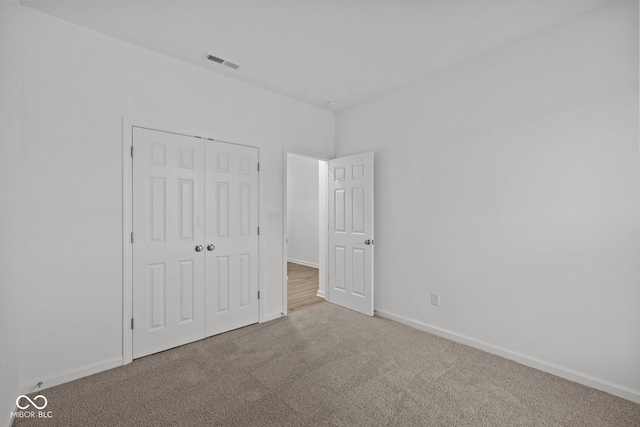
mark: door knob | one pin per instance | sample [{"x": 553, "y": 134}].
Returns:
[
  {"x": 368, "y": 242},
  {"x": 199, "y": 248},
  {"x": 210, "y": 247}
]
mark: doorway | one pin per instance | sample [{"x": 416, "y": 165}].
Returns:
[
  {"x": 345, "y": 226},
  {"x": 306, "y": 225}
]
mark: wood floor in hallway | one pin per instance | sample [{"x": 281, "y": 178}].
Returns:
[{"x": 302, "y": 287}]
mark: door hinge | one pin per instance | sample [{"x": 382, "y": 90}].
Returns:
[
  {"x": 132, "y": 151},
  {"x": 132, "y": 323},
  {"x": 258, "y": 294},
  {"x": 258, "y": 231},
  {"x": 132, "y": 237},
  {"x": 258, "y": 167}
]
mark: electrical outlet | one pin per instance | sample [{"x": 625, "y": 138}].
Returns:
[
  {"x": 274, "y": 216},
  {"x": 435, "y": 299}
]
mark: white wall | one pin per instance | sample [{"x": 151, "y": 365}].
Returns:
[
  {"x": 78, "y": 85},
  {"x": 11, "y": 179},
  {"x": 303, "y": 210},
  {"x": 509, "y": 185}
]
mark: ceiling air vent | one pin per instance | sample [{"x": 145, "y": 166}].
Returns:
[
  {"x": 214, "y": 58},
  {"x": 221, "y": 61},
  {"x": 231, "y": 65}
]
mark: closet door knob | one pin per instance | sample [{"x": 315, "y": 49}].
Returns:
[
  {"x": 210, "y": 247},
  {"x": 199, "y": 248}
]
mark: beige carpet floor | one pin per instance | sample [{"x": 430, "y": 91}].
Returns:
[{"x": 328, "y": 366}]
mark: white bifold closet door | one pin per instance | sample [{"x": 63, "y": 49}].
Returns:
[{"x": 195, "y": 239}]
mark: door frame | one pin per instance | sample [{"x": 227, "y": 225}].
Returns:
[
  {"x": 127, "y": 223},
  {"x": 285, "y": 231}
]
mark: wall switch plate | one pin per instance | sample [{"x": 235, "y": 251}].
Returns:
[
  {"x": 274, "y": 216},
  {"x": 435, "y": 299}
]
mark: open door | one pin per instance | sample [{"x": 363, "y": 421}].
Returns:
[{"x": 351, "y": 232}]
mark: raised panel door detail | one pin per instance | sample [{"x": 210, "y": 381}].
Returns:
[
  {"x": 222, "y": 197},
  {"x": 340, "y": 210},
  {"x": 157, "y": 209},
  {"x": 340, "y": 255},
  {"x": 222, "y": 164},
  {"x": 157, "y": 296},
  {"x": 245, "y": 279},
  {"x": 157, "y": 154},
  {"x": 357, "y": 210},
  {"x": 357, "y": 271},
  {"x": 245, "y": 209},
  {"x": 339, "y": 174},
  {"x": 222, "y": 284},
  {"x": 357, "y": 171},
  {"x": 186, "y": 291},
  {"x": 186, "y": 208},
  {"x": 186, "y": 158}
]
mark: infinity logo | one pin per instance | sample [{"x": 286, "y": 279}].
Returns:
[{"x": 22, "y": 396}]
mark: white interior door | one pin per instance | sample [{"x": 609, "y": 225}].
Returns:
[
  {"x": 231, "y": 236},
  {"x": 168, "y": 224},
  {"x": 195, "y": 239},
  {"x": 351, "y": 232}
]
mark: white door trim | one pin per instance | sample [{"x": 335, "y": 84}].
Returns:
[
  {"x": 127, "y": 225},
  {"x": 286, "y": 152},
  {"x": 127, "y": 250}
]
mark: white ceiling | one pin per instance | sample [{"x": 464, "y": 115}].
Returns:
[{"x": 321, "y": 50}]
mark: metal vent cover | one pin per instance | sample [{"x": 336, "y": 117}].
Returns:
[
  {"x": 214, "y": 58},
  {"x": 231, "y": 65},
  {"x": 221, "y": 61}
]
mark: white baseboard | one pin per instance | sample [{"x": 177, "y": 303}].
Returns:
[
  {"x": 271, "y": 316},
  {"x": 560, "y": 371},
  {"x": 308, "y": 264},
  {"x": 321, "y": 294},
  {"x": 70, "y": 375}
]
